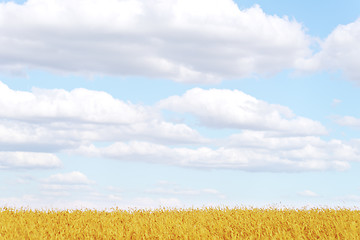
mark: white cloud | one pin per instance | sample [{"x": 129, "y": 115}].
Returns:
[
  {"x": 31, "y": 160},
  {"x": 79, "y": 105},
  {"x": 71, "y": 178},
  {"x": 277, "y": 140},
  {"x": 348, "y": 121},
  {"x": 28, "y": 136},
  {"x": 308, "y": 193},
  {"x": 308, "y": 149},
  {"x": 182, "y": 40},
  {"x": 52, "y": 120},
  {"x": 299, "y": 155},
  {"x": 223, "y": 108},
  {"x": 25, "y": 179},
  {"x": 56, "y": 135},
  {"x": 335, "y": 102},
  {"x": 339, "y": 51},
  {"x": 58, "y": 187}
]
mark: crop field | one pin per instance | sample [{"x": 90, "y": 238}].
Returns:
[{"x": 204, "y": 223}]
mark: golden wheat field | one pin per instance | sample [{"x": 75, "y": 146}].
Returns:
[{"x": 204, "y": 223}]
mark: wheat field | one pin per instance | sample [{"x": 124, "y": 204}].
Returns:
[{"x": 204, "y": 223}]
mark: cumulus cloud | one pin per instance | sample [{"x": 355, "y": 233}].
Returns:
[
  {"x": 79, "y": 105},
  {"x": 71, "y": 178},
  {"x": 223, "y": 108},
  {"x": 272, "y": 138},
  {"x": 182, "y": 40},
  {"x": 308, "y": 149},
  {"x": 300, "y": 155},
  {"x": 31, "y": 160},
  {"x": 25, "y": 136},
  {"x": 348, "y": 121},
  {"x": 65, "y": 184},
  {"x": 53, "y": 120},
  {"x": 339, "y": 51}
]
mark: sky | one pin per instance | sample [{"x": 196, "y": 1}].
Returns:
[{"x": 179, "y": 103}]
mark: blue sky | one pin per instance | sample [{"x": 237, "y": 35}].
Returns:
[{"x": 179, "y": 104}]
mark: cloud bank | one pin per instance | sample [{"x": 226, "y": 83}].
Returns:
[
  {"x": 28, "y": 160},
  {"x": 59, "y": 119},
  {"x": 223, "y": 108},
  {"x": 186, "y": 41},
  {"x": 317, "y": 155},
  {"x": 340, "y": 51},
  {"x": 266, "y": 137}
]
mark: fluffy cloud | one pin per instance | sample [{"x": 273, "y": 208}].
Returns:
[
  {"x": 31, "y": 160},
  {"x": 182, "y": 40},
  {"x": 25, "y": 136},
  {"x": 348, "y": 121},
  {"x": 65, "y": 184},
  {"x": 301, "y": 154},
  {"x": 308, "y": 150},
  {"x": 339, "y": 51},
  {"x": 58, "y": 120},
  {"x": 72, "y": 178},
  {"x": 52, "y": 120},
  {"x": 223, "y": 108},
  {"x": 272, "y": 138},
  {"x": 80, "y": 105}
]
